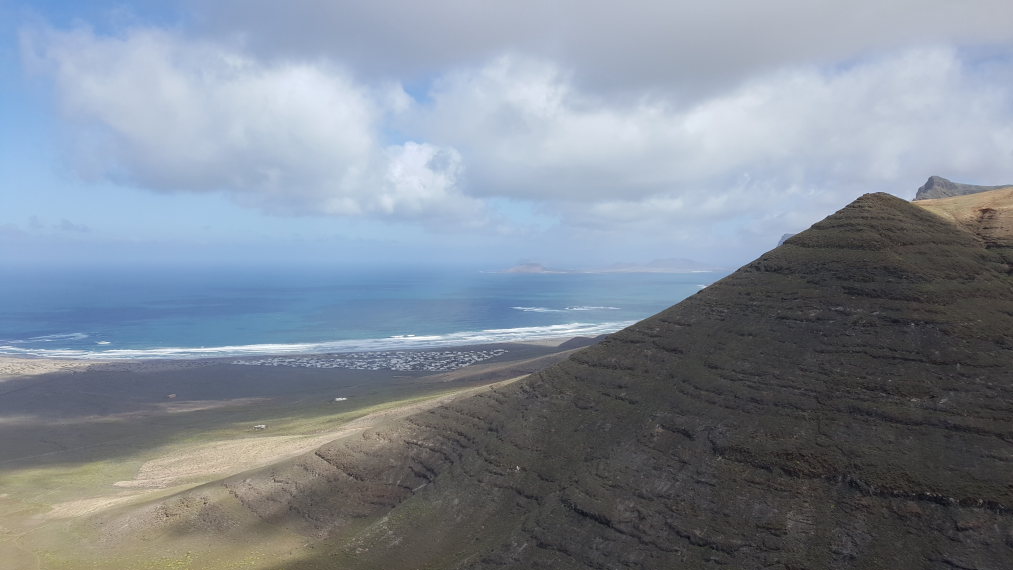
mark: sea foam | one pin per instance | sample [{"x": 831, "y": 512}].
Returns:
[
  {"x": 565, "y": 309},
  {"x": 61, "y": 337},
  {"x": 399, "y": 342}
]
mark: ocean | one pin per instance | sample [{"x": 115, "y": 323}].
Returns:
[{"x": 103, "y": 313}]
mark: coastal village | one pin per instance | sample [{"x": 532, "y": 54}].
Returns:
[{"x": 400, "y": 360}]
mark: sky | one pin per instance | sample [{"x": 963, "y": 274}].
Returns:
[{"x": 571, "y": 133}]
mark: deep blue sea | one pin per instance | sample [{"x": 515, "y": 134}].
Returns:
[{"x": 206, "y": 312}]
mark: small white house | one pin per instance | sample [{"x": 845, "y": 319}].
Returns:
[{"x": 260, "y": 426}]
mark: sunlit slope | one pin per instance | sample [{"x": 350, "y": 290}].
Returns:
[{"x": 988, "y": 215}]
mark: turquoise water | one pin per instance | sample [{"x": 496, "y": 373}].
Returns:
[{"x": 167, "y": 313}]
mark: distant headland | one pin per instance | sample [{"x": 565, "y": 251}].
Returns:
[
  {"x": 669, "y": 265},
  {"x": 939, "y": 187}
]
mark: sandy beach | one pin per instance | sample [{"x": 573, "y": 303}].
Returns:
[{"x": 11, "y": 367}]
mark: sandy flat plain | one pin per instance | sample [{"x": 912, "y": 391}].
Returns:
[
  {"x": 81, "y": 438},
  {"x": 19, "y": 367}
]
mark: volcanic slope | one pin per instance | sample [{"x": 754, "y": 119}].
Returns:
[{"x": 845, "y": 401}]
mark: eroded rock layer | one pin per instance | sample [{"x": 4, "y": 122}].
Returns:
[{"x": 845, "y": 401}]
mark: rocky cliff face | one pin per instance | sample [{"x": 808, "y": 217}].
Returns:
[
  {"x": 939, "y": 187},
  {"x": 845, "y": 401}
]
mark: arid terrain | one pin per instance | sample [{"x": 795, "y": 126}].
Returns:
[
  {"x": 845, "y": 401},
  {"x": 80, "y": 440}
]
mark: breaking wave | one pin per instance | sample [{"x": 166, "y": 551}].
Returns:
[
  {"x": 399, "y": 342},
  {"x": 62, "y": 337},
  {"x": 565, "y": 309}
]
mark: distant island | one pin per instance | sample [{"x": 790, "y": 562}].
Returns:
[
  {"x": 534, "y": 268},
  {"x": 670, "y": 265}
]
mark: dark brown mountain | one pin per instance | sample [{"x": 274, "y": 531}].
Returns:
[
  {"x": 844, "y": 401},
  {"x": 939, "y": 187}
]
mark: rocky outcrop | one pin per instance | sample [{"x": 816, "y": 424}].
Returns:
[
  {"x": 844, "y": 401},
  {"x": 939, "y": 187}
]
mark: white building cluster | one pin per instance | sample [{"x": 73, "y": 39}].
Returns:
[{"x": 401, "y": 360}]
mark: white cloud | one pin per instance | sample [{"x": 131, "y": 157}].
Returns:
[
  {"x": 692, "y": 49},
  {"x": 419, "y": 175},
  {"x": 804, "y": 139},
  {"x": 172, "y": 113},
  {"x": 775, "y": 147}
]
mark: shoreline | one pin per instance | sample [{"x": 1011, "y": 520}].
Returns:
[
  {"x": 12, "y": 366},
  {"x": 449, "y": 341}
]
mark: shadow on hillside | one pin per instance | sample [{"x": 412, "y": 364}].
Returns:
[{"x": 78, "y": 417}]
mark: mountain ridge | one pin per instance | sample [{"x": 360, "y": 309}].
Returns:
[
  {"x": 938, "y": 187},
  {"x": 843, "y": 401}
]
